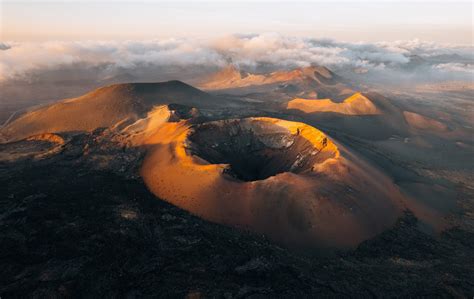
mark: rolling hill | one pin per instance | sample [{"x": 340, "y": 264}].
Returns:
[{"x": 104, "y": 107}]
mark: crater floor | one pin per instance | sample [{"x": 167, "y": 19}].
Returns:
[{"x": 254, "y": 150}]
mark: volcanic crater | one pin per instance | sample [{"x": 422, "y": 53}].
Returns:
[
  {"x": 255, "y": 150},
  {"x": 285, "y": 179}
]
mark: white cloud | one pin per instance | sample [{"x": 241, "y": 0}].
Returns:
[
  {"x": 455, "y": 67},
  {"x": 246, "y": 51}
]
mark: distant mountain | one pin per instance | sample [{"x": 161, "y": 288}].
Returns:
[
  {"x": 104, "y": 107},
  {"x": 314, "y": 81},
  {"x": 414, "y": 63}
]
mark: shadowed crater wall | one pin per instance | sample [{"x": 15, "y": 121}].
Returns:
[{"x": 253, "y": 155}]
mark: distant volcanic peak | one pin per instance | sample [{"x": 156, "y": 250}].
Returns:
[
  {"x": 357, "y": 104},
  {"x": 140, "y": 87},
  {"x": 317, "y": 72},
  {"x": 231, "y": 77},
  {"x": 110, "y": 89},
  {"x": 416, "y": 59},
  {"x": 231, "y": 72},
  {"x": 303, "y": 72},
  {"x": 225, "y": 77},
  {"x": 104, "y": 107},
  {"x": 133, "y": 91},
  {"x": 167, "y": 86},
  {"x": 356, "y": 97},
  {"x": 257, "y": 148},
  {"x": 421, "y": 122},
  {"x": 306, "y": 73}
]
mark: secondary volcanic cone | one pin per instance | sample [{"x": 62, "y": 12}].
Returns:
[
  {"x": 357, "y": 104},
  {"x": 285, "y": 179}
]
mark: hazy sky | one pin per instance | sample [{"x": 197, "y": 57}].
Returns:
[{"x": 440, "y": 21}]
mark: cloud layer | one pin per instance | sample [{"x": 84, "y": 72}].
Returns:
[{"x": 249, "y": 52}]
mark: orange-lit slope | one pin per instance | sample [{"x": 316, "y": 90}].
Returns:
[
  {"x": 357, "y": 104},
  {"x": 231, "y": 77},
  {"x": 104, "y": 107},
  {"x": 325, "y": 201}
]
